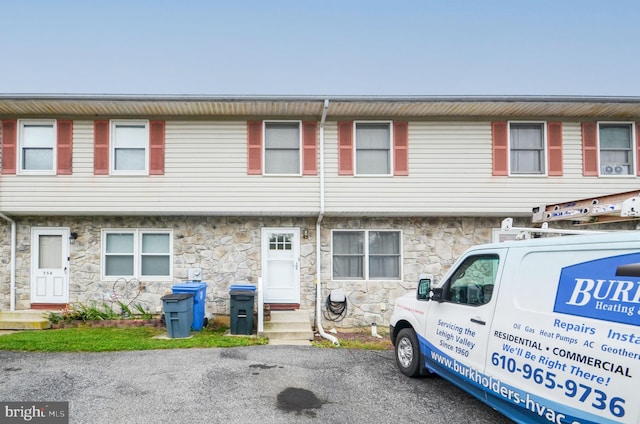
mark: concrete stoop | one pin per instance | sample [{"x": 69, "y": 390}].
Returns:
[
  {"x": 24, "y": 320},
  {"x": 288, "y": 327}
]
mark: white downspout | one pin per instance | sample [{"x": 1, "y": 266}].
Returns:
[
  {"x": 318, "y": 238},
  {"x": 12, "y": 290},
  {"x": 260, "y": 329}
]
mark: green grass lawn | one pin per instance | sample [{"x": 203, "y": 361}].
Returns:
[
  {"x": 117, "y": 339},
  {"x": 106, "y": 339}
]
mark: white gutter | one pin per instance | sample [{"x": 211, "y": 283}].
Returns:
[
  {"x": 318, "y": 238},
  {"x": 12, "y": 290}
]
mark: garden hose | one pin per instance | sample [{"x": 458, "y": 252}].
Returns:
[{"x": 335, "y": 311}]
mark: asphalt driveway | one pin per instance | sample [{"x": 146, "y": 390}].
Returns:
[{"x": 268, "y": 384}]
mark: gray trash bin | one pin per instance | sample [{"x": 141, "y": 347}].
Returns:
[
  {"x": 242, "y": 297},
  {"x": 178, "y": 314}
]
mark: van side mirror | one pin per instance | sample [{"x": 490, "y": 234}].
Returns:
[
  {"x": 437, "y": 295},
  {"x": 424, "y": 288}
]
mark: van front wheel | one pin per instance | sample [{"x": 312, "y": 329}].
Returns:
[{"x": 408, "y": 352}]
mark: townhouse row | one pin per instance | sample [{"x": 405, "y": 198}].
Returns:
[{"x": 113, "y": 198}]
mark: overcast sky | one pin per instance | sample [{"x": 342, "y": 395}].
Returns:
[{"x": 329, "y": 47}]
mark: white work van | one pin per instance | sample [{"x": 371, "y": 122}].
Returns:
[{"x": 543, "y": 330}]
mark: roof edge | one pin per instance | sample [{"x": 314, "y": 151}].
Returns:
[{"x": 321, "y": 98}]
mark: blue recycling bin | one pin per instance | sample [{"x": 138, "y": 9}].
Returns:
[{"x": 199, "y": 292}]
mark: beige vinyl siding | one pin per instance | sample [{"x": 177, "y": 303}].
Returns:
[
  {"x": 572, "y": 185},
  {"x": 435, "y": 185},
  {"x": 205, "y": 173},
  {"x": 450, "y": 173},
  {"x": 83, "y": 148},
  {"x": 572, "y": 150}
]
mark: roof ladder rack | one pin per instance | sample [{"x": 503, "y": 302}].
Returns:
[
  {"x": 507, "y": 225},
  {"x": 597, "y": 210}
]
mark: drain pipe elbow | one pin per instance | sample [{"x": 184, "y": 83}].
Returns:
[{"x": 12, "y": 289}]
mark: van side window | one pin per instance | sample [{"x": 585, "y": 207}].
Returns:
[{"x": 472, "y": 283}]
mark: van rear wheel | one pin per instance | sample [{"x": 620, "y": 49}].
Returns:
[{"x": 408, "y": 352}]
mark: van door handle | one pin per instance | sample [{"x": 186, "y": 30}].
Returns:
[{"x": 478, "y": 321}]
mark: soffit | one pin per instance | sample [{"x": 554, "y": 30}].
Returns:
[{"x": 623, "y": 108}]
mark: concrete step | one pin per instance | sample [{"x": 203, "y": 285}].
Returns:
[
  {"x": 288, "y": 335},
  {"x": 289, "y": 342},
  {"x": 289, "y": 316},
  {"x": 280, "y": 326},
  {"x": 24, "y": 320},
  {"x": 288, "y": 326}
]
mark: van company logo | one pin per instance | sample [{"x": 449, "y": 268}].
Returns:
[
  {"x": 607, "y": 289},
  {"x": 34, "y": 412}
]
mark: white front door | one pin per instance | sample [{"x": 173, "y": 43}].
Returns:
[
  {"x": 50, "y": 265},
  {"x": 281, "y": 265}
]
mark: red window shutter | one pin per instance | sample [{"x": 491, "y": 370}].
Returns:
[
  {"x": 309, "y": 148},
  {"x": 65, "y": 147},
  {"x": 254, "y": 147},
  {"x": 401, "y": 148},
  {"x": 500, "y": 147},
  {"x": 101, "y": 147},
  {"x": 345, "y": 148},
  {"x": 156, "y": 148},
  {"x": 589, "y": 149},
  {"x": 9, "y": 146},
  {"x": 554, "y": 148}
]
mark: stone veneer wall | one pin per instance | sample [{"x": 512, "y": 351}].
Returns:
[
  {"x": 430, "y": 245},
  {"x": 229, "y": 252},
  {"x": 5, "y": 265}
]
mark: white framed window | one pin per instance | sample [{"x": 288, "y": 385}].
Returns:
[
  {"x": 282, "y": 146},
  {"x": 616, "y": 148},
  {"x": 527, "y": 148},
  {"x": 373, "y": 148},
  {"x": 130, "y": 147},
  {"x": 366, "y": 254},
  {"x": 137, "y": 254},
  {"x": 37, "y": 146}
]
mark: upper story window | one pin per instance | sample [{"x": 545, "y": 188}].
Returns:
[
  {"x": 37, "y": 140},
  {"x": 526, "y": 148},
  {"x": 373, "y": 148},
  {"x": 282, "y": 141},
  {"x": 130, "y": 147},
  {"x": 137, "y": 254},
  {"x": 366, "y": 255},
  {"x": 616, "y": 148}
]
